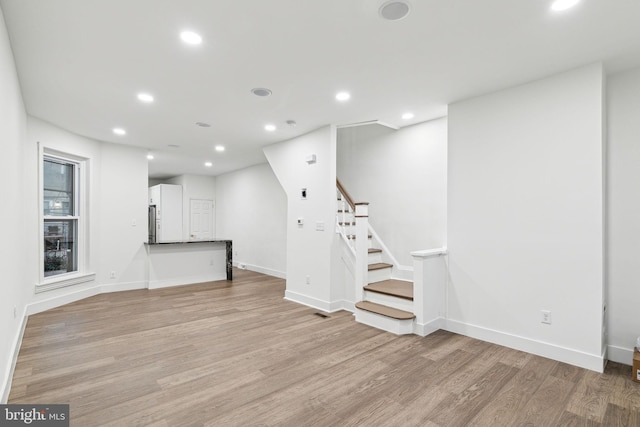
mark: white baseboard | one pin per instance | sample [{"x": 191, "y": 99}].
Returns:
[
  {"x": 65, "y": 298},
  {"x": 326, "y": 306},
  {"x": 263, "y": 270},
  {"x": 574, "y": 357},
  {"x": 424, "y": 329},
  {"x": 121, "y": 287},
  {"x": 348, "y": 306},
  {"x": 620, "y": 354},
  {"x": 11, "y": 367},
  {"x": 190, "y": 280}
]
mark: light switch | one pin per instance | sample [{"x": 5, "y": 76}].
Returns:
[{"x": 319, "y": 226}]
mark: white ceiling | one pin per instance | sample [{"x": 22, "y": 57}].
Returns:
[{"x": 81, "y": 64}]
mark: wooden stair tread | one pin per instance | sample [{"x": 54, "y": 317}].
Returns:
[
  {"x": 347, "y": 223},
  {"x": 396, "y": 288},
  {"x": 383, "y": 310},
  {"x": 374, "y": 250},
  {"x": 353, "y": 236},
  {"x": 379, "y": 266}
]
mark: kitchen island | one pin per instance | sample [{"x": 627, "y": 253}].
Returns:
[{"x": 188, "y": 262}]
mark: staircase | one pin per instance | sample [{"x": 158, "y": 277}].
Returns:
[{"x": 380, "y": 301}]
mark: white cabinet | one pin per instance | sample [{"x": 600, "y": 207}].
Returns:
[{"x": 167, "y": 199}]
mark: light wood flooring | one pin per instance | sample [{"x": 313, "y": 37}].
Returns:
[{"x": 237, "y": 354}]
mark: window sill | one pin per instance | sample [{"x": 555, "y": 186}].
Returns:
[{"x": 62, "y": 282}]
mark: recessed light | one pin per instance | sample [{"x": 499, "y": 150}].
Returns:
[
  {"x": 219, "y": 148},
  {"x": 343, "y": 96},
  {"x": 394, "y": 10},
  {"x": 270, "y": 128},
  {"x": 150, "y": 156},
  {"x": 560, "y": 5},
  {"x": 119, "y": 131},
  {"x": 208, "y": 164},
  {"x": 203, "y": 124},
  {"x": 407, "y": 116},
  {"x": 145, "y": 97},
  {"x": 261, "y": 91},
  {"x": 173, "y": 146},
  {"x": 190, "y": 37}
]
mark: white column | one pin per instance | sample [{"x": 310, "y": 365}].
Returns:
[
  {"x": 429, "y": 289},
  {"x": 362, "y": 249}
]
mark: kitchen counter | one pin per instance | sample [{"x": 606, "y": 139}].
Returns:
[{"x": 174, "y": 263}]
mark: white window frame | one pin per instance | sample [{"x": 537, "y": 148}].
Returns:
[{"x": 81, "y": 214}]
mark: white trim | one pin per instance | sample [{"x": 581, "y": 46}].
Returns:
[
  {"x": 395, "y": 326},
  {"x": 263, "y": 270},
  {"x": 326, "y": 306},
  {"x": 620, "y": 354},
  {"x": 11, "y": 367},
  {"x": 424, "y": 329},
  {"x": 429, "y": 252},
  {"x": 80, "y": 215},
  {"x": 64, "y": 281},
  {"x": 574, "y": 357},
  {"x": 186, "y": 280}
]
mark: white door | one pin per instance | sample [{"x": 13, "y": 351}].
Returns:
[{"x": 201, "y": 219}]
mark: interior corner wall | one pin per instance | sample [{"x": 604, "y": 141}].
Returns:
[
  {"x": 251, "y": 210},
  {"x": 309, "y": 245},
  {"x": 403, "y": 175},
  {"x": 14, "y": 293},
  {"x": 623, "y": 214},
  {"x": 525, "y": 217}
]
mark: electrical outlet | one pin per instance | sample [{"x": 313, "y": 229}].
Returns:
[
  {"x": 308, "y": 280},
  {"x": 545, "y": 317},
  {"x": 211, "y": 262},
  {"x": 112, "y": 275}
]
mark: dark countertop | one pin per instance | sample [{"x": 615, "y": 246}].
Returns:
[{"x": 189, "y": 241}]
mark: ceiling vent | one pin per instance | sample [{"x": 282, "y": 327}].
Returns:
[
  {"x": 261, "y": 91},
  {"x": 394, "y": 10}
]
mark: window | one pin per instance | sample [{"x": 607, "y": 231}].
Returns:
[
  {"x": 60, "y": 210},
  {"x": 63, "y": 219}
]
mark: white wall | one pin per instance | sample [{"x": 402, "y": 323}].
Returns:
[
  {"x": 308, "y": 250},
  {"x": 117, "y": 198},
  {"x": 623, "y": 214},
  {"x": 13, "y": 292},
  {"x": 194, "y": 187},
  {"x": 525, "y": 216},
  {"x": 252, "y": 212},
  {"x": 403, "y": 175}
]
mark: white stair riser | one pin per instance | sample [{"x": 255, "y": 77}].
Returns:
[
  {"x": 389, "y": 301},
  {"x": 395, "y": 326},
  {"x": 379, "y": 275},
  {"x": 375, "y": 258}
]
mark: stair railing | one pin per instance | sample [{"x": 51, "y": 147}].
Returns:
[
  {"x": 351, "y": 212},
  {"x": 345, "y": 216}
]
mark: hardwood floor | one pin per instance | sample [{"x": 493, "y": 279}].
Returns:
[{"x": 221, "y": 354}]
